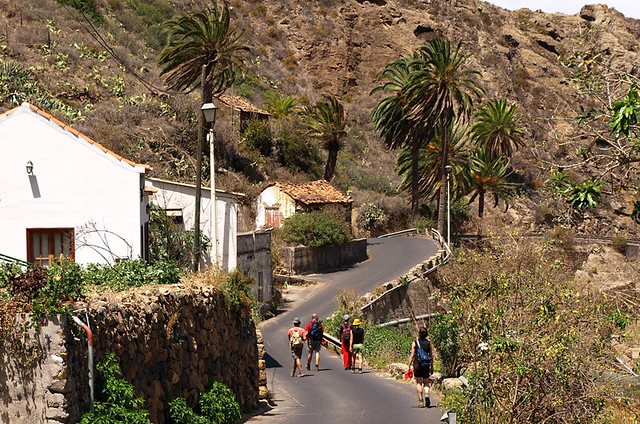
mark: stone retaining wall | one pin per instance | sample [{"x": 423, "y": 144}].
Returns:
[
  {"x": 404, "y": 300},
  {"x": 169, "y": 340},
  {"x": 308, "y": 260}
]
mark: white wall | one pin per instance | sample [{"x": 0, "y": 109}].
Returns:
[
  {"x": 173, "y": 195},
  {"x": 270, "y": 197},
  {"x": 74, "y": 184}
]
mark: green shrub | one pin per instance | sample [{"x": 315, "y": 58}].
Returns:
[
  {"x": 385, "y": 345},
  {"x": 118, "y": 402},
  {"x": 315, "y": 229},
  {"x": 132, "y": 273},
  {"x": 257, "y": 137},
  {"x": 371, "y": 216},
  {"x": 297, "y": 155},
  {"x": 237, "y": 290},
  {"x": 619, "y": 244},
  {"x": 218, "y": 405},
  {"x": 65, "y": 280},
  {"x": 181, "y": 413},
  {"x": 444, "y": 334}
]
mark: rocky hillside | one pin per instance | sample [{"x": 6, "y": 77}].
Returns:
[{"x": 100, "y": 75}]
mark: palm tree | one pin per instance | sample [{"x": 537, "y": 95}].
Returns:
[
  {"x": 429, "y": 165},
  {"x": 489, "y": 176},
  {"x": 440, "y": 91},
  {"x": 327, "y": 122},
  {"x": 495, "y": 127},
  {"x": 397, "y": 128},
  {"x": 280, "y": 106},
  {"x": 203, "y": 51}
]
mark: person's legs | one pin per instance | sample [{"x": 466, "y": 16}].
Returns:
[
  {"x": 309, "y": 357},
  {"x": 419, "y": 389},
  {"x": 346, "y": 357},
  {"x": 317, "y": 359}
]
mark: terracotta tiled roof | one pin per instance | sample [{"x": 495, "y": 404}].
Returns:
[
  {"x": 76, "y": 133},
  {"x": 314, "y": 192},
  {"x": 241, "y": 104}
]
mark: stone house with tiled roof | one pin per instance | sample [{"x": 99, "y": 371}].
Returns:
[
  {"x": 62, "y": 193},
  {"x": 245, "y": 111},
  {"x": 279, "y": 201}
]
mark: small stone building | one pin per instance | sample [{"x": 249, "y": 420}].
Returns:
[
  {"x": 246, "y": 112},
  {"x": 254, "y": 260},
  {"x": 281, "y": 200}
]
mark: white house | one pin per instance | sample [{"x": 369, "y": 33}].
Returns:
[
  {"x": 62, "y": 193},
  {"x": 178, "y": 200},
  {"x": 279, "y": 201}
]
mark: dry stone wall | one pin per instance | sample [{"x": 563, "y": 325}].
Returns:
[{"x": 170, "y": 341}]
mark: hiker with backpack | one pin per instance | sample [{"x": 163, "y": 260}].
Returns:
[
  {"x": 357, "y": 345},
  {"x": 422, "y": 360},
  {"x": 345, "y": 337},
  {"x": 296, "y": 336},
  {"x": 314, "y": 330}
]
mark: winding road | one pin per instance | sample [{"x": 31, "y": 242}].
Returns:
[{"x": 333, "y": 395}]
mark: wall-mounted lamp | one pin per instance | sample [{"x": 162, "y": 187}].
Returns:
[{"x": 30, "y": 168}]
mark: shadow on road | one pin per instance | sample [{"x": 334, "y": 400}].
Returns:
[{"x": 271, "y": 362}]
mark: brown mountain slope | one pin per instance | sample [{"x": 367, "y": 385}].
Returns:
[{"x": 333, "y": 48}]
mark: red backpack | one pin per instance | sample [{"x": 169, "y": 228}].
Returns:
[{"x": 346, "y": 333}]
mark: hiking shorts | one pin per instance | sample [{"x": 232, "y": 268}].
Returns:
[
  {"x": 358, "y": 348},
  {"x": 421, "y": 372},
  {"x": 296, "y": 352},
  {"x": 314, "y": 345}
]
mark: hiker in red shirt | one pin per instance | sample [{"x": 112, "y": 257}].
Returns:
[
  {"x": 345, "y": 338},
  {"x": 314, "y": 330},
  {"x": 296, "y": 336}
]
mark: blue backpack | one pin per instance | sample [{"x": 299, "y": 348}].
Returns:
[
  {"x": 424, "y": 359},
  {"x": 315, "y": 332}
]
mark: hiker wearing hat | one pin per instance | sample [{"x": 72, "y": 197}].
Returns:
[
  {"x": 345, "y": 337},
  {"x": 296, "y": 336},
  {"x": 357, "y": 345}
]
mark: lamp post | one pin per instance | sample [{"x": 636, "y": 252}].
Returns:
[
  {"x": 209, "y": 112},
  {"x": 448, "y": 170}
]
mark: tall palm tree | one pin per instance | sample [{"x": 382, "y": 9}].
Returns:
[
  {"x": 429, "y": 165},
  {"x": 203, "y": 51},
  {"x": 440, "y": 92},
  {"x": 396, "y": 126},
  {"x": 489, "y": 175},
  {"x": 327, "y": 122},
  {"x": 495, "y": 127}
]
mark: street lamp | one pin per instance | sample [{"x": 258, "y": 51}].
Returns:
[
  {"x": 209, "y": 112},
  {"x": 448, "y": 171}
]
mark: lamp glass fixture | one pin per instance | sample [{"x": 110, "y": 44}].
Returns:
[
  {"x": 30, "y": 168},
  {"x": 209, "y": 111}
]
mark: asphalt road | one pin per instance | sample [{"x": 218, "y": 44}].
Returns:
[{"x": 333, "y": 395}]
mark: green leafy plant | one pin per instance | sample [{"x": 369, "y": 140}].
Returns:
[
  {"x": 257, "y": 136},
  {"x": 118, "y": 402},
  {"x": 218, "y": 405},
  {"x": 444, "y": 334},
  {"x": 371, "y": 216},
  {"x": 385, "y": 345},
  {"x": 132, "y": 273},
  {"x": 585, "y": 195},
  {"x": 65, "y": 281},
  {"x": 315, "y": 229},
  {"x": 237, "y": 290}
]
